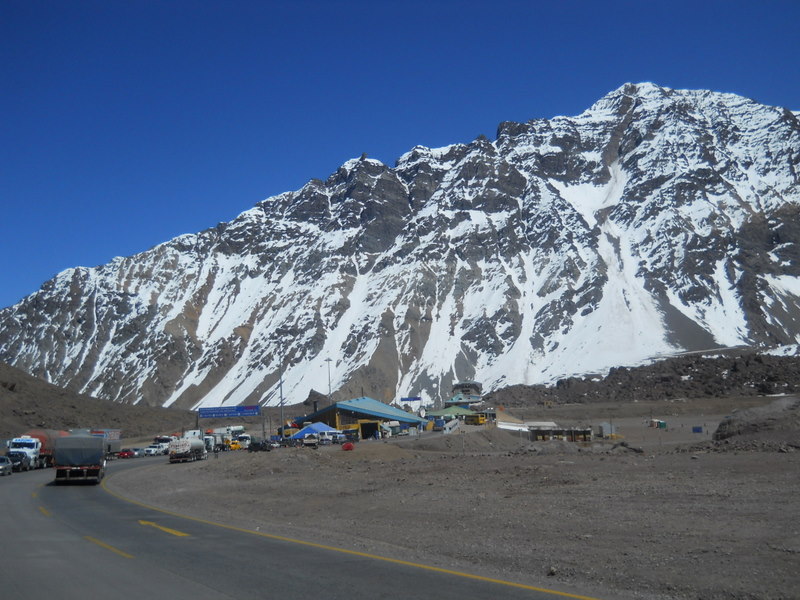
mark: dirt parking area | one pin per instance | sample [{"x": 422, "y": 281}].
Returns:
[{"x": 670, "y": 515}]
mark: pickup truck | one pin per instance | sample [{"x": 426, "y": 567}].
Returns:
[{"x": 310, "y": 440}]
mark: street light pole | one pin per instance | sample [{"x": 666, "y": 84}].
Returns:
[
  {"x": 280, "y": 388},
  {"x": 328, "y": 360}
]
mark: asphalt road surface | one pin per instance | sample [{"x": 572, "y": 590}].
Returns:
[{"x": 79, "y": 541}]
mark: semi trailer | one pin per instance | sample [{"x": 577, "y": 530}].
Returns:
[{"x": 80, "y": 458}]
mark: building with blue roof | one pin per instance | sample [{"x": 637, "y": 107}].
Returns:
[{"x": 364, "y": 415}]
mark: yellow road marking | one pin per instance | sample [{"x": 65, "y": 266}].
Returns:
[
  {"x": 45, "y": 512},
  {"x": 107, "y": 546},
  {"x": 35, "y": 493},
  {"x": 162, "y": 528},
  {"x": 350, "y": 552}
]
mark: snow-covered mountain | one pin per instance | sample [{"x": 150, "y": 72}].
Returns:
[{"x": 657, "y": 221}]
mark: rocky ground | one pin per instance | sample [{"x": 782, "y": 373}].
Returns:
[{"x": 667, "y": 514}]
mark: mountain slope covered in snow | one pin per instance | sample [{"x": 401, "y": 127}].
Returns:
[{"x": 657, "y": 221}]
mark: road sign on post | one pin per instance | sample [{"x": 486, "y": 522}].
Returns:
[{"x": 224, "y": 412}]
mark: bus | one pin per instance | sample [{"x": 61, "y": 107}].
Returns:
[{"x": 477, "y": 419}]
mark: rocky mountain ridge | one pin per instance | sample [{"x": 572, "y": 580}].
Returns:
[
  {"x": 658, "y": 221},
  {"x": 681, "y": 378}
]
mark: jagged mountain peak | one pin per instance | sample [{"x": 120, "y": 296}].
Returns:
[
  {"x": 358, "y": 167},
  {"x": 630, "y": 95},
  {"x": 655, "y": 222}
]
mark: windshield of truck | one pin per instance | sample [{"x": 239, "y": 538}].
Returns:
[{"x": 23, "y": 445}]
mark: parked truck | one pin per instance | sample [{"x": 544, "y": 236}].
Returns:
[
  {"x": 222, "y": 437},
  {"x": 187, "y": 449},
  {"x": 229, "y": 431},
  {"x": 38, "y": 445},
  {"x": 162, "y": 441},
  {"x": 113, "y": 443},
  {"x": 80, "y": 458},
  {"x": 214, "y": 441}
]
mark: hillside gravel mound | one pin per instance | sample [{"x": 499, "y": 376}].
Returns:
[{"x": 776, "y": 425}]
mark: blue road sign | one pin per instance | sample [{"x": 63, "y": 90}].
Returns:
[{"x": 223, "y": 412}]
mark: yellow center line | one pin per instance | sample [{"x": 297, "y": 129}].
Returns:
[
  {"x": 107, "y": 546},
  {"x": 165, "y": 529},
  {"x": 35, "y": 493},
  {"x": 45, "y": 512}
]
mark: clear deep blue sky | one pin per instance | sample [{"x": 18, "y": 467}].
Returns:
[{"x": 124, "y": 123}]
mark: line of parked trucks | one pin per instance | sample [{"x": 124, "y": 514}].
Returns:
[
  {"x": 76, "y": 455},
  {"x": 81, "y": 455},
  {"x": 195, "y": 444}
]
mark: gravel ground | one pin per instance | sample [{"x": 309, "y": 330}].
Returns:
[{"x": 671, "y": 514}]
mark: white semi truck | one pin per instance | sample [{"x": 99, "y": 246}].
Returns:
[
  {"x": 29, "y": 446},
  {"x": 37, "y": 444}
]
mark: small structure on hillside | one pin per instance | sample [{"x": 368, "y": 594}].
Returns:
[
  {"x": 542, "y": 431},
  {"x": 467, "y": 394},
  {"x": 605, "y": 430}
]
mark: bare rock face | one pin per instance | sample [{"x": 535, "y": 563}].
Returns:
[{"x": 656, "y": 222}]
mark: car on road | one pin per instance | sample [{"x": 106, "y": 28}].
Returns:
[
  {"x": 138, "y": 452},
  {"x": 126, "y": 453},
  {"x": 153, "y": 450},
  {"x": 19, "y": 461},
  {"x": 6, "y": 466}
]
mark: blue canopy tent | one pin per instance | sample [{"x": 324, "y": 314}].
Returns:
[{"x": 313, "y": 428}]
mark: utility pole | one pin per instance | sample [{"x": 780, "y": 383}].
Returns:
[
  {"x": 280, "y": 387},
  {"x": 328, "y": 360}
]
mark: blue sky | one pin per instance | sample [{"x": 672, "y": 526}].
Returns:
[{"x": 126, "y": 123}]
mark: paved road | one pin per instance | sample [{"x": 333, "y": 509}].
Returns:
[{"x": 79, "y": 541}]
